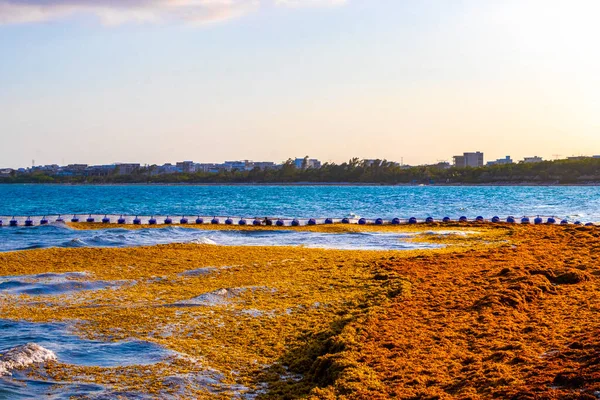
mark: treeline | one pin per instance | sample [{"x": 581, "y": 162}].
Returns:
[{"x": 356, "y": 171}]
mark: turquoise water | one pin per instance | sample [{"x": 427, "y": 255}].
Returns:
[{"x": 572, "y": 202}]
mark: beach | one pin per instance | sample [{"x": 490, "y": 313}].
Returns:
[{"x": 506, "y": 311}]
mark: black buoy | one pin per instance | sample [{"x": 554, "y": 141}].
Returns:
[
  {"x": 479, "y": 218},
  {"x": 462, "y": 219},
  {"x": 121, "y": 220},
  {"x": 1, "y": 223},
  {"x": 280, "y": 222},
  {"x": 44, "y": 221},
  {"x": 183, "y": 220},
  {"x": 589, "y": 224},
  {"x": 564, "y": 222},
  {"x": 152, "y": 221},
  {"x": 28, "y": 222},
  {"x": 215, "y": 221},
  {"x": 511, "y": 220},
  {"x": 362, "y": 221},
  {"x": 268, "y": 222},
  {"x": 525, "y": 220},
  {"x": 90, "y": 219},
  {"x": 312, "y": 221},
  {"x": 242, "y": 222},
  {"x": 13, "y": 222},
  {"x": 429, "y": 220},
  {"x": 346, "y": 221},
  {"x": 106, "y": 220},
  {"x": 295, "y": 222},
  {"x": 199, "y": 221},
  {"x": 137, "y": 221},
  {"x": 379, "y": 221},
  {"x": 228, "y": 221},
  {"x": 168, "y": 221},
  {"x": 75, "y": 219},
  {"x": 256, "y": 222},
  {"x": 577, "y": 222},
  {"x": 551, "y": 221},
  {"x": 446, "y": 219},
  {"x": 538, "y": 221},
  {"x": 396, "y": 221},
  {"x": 412, "y": 220},
  {"x": 328, "y": 221},
  {"x": 495, "y": 219},
  {"x": 60, "y": 219}
]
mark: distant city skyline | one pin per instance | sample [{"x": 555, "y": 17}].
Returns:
[{"x": 102, "y": 81}]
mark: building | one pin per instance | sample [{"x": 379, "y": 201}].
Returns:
[
  {"x": 6, "y": 172},
  {"x": 306, "y": 163},
  {"x": 265, "y": 165},
  {"x": 128, "y": 169},
  {"x": 167, "y": 169},
  {"x": 531, "y": 160},
  {"x": 187, "y": 167},
  {"x": 501, "y": 161},
  {"x": 100, "y": 170},
  {"x": 469, "y": 160},
  {"x": 244, "y": 165}
]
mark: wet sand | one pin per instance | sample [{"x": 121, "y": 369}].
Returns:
[{"x": 508, "y": 312}]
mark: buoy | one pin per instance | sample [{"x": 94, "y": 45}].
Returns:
[
  {"x": 511, "y": 220},
  {"x": 495, "y": 219},
  {"x": 329, "y": 221},
  {"x": 463, "y": 219},
  {"x": 183, "y": 220},
  {"x": 44, "y": 221},
  {"x": 379, "y": 221},
  {"x": 551, "y": 220},
  {"x": 242, "y": 222},
  {"x": 429, "y": 220},
  {"x": 446, "y": 219},
  {"x": 524, "y": 220},
  {"x": 1, "y": 223},
  {"x": 412, "y": 220},
  {"x": 152, "y": 221},
  {"x": 106, "y": 220},
  {"x": 577, "y": 222},
  {"x": 295, "y": 222},
  {"x": 28, "y": 222},
  {"x": 256, "y": 222},
  {"x": 74, "y": 219},
  {"x": 199, "y": 221},
  {"x": 60, "y": 219},
  {"x": 215, "y": 221},
  {"x": 312, "y": 221},
  {"x": 168, "y": 221},
  {"x": 589, "y": 224},
  {"x": 479, "y": 219},
  {"x": 538, "y": 221},
  {"x": 121, "y": 220},
  {"x": 564, "y": 222},
  {"x": 396, "y": 221},
  {"x": 228, "y": 221},
  {"x": 362, "y": 221},
  {"x": 137, "y": 221},
  {"x": 90, "y": 219},
  {"x": 346, "y": 221},
  {"x": 13, "y": 222},
  {"x": 280, "y": 222},
  {"x": 268, "y": 222}
]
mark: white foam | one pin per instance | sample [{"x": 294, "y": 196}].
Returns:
[
  {"x": 24, "y": 356},
  {"x": 203, "y": 240}
]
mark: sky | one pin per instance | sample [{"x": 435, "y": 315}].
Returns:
[{"x": 155, "y": 81}]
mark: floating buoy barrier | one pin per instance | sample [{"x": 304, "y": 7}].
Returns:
[
  {"x": 429, "y": 220},
  {"x": 1, "y": 223},
  {"x": 256, "y": 222},
  {"x": 168, "y": 221},
  {"x": 589, "y": 224},
  {"x": 446, "y": 219},
  {"x": 13, "y": 222},
  {"x": 152, "y": 221},
  {"x": 412, "y": 220},
  {"x": 538, "y": 221},
  {"x": 137, "y": 221},
  {"x": 463, "y": 219},
  {"x": 495, "y": 219},
  {"x": 228, "y": 221},
  {"x": 215, "y": 221},
  {"x": 312, "y": 222},
  {"x": 280, "y": 222},
  {"x": 44, "y": 221},
  {"x": 511, "y": 220},
  {"x": 396, "y": 221},
  {"x": 346, "y": 221},
  {"x": 550, "y": 221},
  {"x": 564, "y": 222},
  {"x": 60, "y": 219},
  {"x": 106, "y": 220},
  {"x": 295, "y": 222},
  {"x": 479, "y": 219},
  {"x": 121, "y": 220},
  {"x": 362, "y": 221},
  {"x": 329, "y": 221},
  {"x": 577, "y": 222},
  {"x": 89, "y": 219},
  {"x": 242, "y": 222},
  {"x": 379, "y": 221},
  {"x": 199, "y": 221},
  {"x": 28, "y": 222},
  {"x": 74, "y": 219},
  {"x": 525, "y": 220},
  {"x": 183, "y": 220}
]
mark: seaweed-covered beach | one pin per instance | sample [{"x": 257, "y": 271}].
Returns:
[{"x": 506, "y": 311}]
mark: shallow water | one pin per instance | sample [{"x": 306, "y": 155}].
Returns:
[
  {"x": 50, "y": 284},
  {"x": 59, "y": 235}
]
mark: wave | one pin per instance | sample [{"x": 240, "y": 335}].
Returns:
[{"x": 24, "y": 356}]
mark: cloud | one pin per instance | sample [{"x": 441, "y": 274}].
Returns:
[{"x": 113, "y": 12}]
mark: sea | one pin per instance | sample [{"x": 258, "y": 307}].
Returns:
[{"x": 573, "y": 203}]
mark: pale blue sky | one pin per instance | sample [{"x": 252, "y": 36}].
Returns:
[{"x": 94, "y": 82}]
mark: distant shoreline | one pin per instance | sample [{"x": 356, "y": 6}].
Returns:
[{"x": 324, "y": 184}]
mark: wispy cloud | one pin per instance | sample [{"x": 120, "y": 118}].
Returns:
[{"x": 113, "y": 12}]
